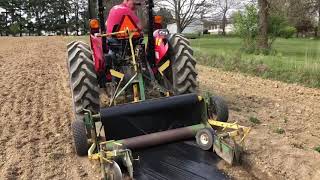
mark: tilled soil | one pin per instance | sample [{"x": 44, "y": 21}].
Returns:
[
  {"x": 36, "y": 112},
  {"x": 282, "y": 145}
]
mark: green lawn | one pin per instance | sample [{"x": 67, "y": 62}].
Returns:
[{"x": 293, "y": 60}]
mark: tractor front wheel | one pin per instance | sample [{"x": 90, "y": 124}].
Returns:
[{"x": 79, "y": 137}]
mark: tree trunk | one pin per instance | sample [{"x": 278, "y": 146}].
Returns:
[
  {"x": 263, "y": 26},
  {"x": 6, "y": 26},
  {"x": 92, "y": 10},
  {"x": 224, "y": 22},
  {"x": 318, "y": 31},
  {"x": 179, "y": 28},
  {"x": 20, "y": 24},
  {"x": 224, "y": 18},
  {"x": 77, "y": 18},
  {"x": 65, "y": 24},
  {"x": 177, "y": 19},
  {"x": 39, "y": 26}
]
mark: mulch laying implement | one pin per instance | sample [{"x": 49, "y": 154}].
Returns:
[{"x": 129, "y": 95}]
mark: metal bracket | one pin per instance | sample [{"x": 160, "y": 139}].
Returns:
[{"x": 88, "y": 119}]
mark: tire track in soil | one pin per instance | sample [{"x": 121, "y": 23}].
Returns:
[{"x": 35, "y": 112}]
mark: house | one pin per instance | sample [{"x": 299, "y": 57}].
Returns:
[
  {"x": 214, "y": 26},
  {"x": 216, "y": 29},
  {"x": 200, "y": 26},
  {"x": 195, "y": 27}
]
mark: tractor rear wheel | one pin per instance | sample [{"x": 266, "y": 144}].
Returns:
[
  {"x": 183, "y": 75},
  {"x": 83, "y": 79}
]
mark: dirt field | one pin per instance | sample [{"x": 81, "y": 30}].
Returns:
[
  {"x": 35, "y": 111},
  {"x": 35, "y": 117},
  {"x": 282, "y": 145}
]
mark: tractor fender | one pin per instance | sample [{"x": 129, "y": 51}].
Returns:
[
  {"x": 161, "y": 44},
  {"x": 98, "y": 57}
]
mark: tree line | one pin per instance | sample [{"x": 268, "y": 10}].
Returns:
[
  {"x": 62, "y": 17},
  {"x": 39, "y": 17},
  {"x": 288, "y": 17},
  {"x": 258, "y": 22}
]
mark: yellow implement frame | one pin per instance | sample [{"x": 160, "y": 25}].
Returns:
[
  {"x": 229, "y": 143},
  {"x": 238, "y": 131}
]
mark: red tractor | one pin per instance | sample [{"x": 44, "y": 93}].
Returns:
[{"x": 150, "y": 89}]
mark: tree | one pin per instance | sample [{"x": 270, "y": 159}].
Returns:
[
  {"x": 223, "y": 7},
  {"x": 2, "y": 24},
  {"x": 246, "y": 26},
  {"x": 184, "y": 12},
  {"x": 276, "y": 28},
  {"x": 299, "y": 14},
  {"x": 318, "y": 9},
  {"x": 38, "y": 10},
  {"x": 14, "y": 29},
  {"x": 79, "y": 16},
  {"x": 15, "y": 9},
  {"x": 262, "y": 44},
  {"x": 58, "y": 16},
  {"x": 314, "y": 9},
  {"x": 9, "y": 7},
  {"x": 167, "y": 16}
]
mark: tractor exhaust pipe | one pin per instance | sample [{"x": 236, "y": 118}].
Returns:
[{"x": 158, "y": 138}]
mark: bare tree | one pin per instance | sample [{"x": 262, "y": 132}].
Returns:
[
  {"x": 184, "y": 12},
  {"x": 223, "y": 7}
]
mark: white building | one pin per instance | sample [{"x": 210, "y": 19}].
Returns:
[
  {"x": 216, "y": 29},
  {"x": 198, "y": 27},
  {"x": 194, "y": 28}
]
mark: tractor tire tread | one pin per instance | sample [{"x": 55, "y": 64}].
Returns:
[
  {"x": 74, "y": 44},
  {"x": 75, "y": 50},
  {"x": 182, "y": 47},
  {"x": 180, "y": 37},
  {"x": 183, "y": 65},
  {"x": 83, "y": 79}
]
